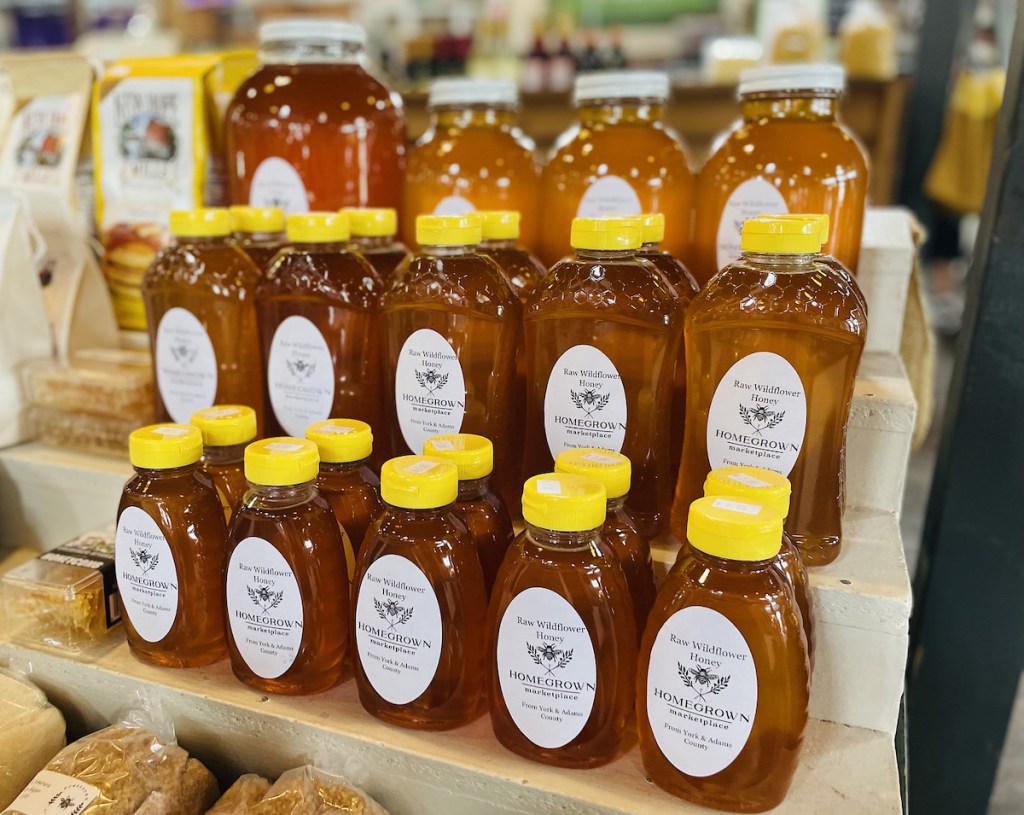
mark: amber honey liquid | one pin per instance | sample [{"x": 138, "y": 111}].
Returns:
[
  {"x": 522, "y": 269},
  {"x": 224, "y": 467},
  {"x": 634, "y": 553},
  {"x": 619, "y": 159},
  {"x": 353, "y": 491},
  {"x": 489, "y": 525},
  {"x": 262, "y": 248},
  {"x": 383, "y": 253},
  {"x": 788, "y": 155},
  {"x": 420, "y": 613}
]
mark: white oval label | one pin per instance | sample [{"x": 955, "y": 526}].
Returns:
[
  {"x": 609, "y": 195},
  {"x": 186, "y": 365},
  {"x": 753, "y": 197},
  {"x": 264, "y": 608},
  {"x": 277, "y": 184},
  {"x": 701, "y": 691},
  {"x": 300, "y": 375},
  {"x": 146, "y": 575},
  {"x": 546, "y": 667},
  {"x": 454, "y": 205},
  {"x": 758, "y": 415},
  {"x": 430, "y": 390},
  {"x": 585, "y": 402},
  {"x": 398, "y": 629}
]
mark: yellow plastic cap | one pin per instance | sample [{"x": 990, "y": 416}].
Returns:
[
  {"x": 610, "y": 468},
  {"x": 205, "y": 222},
  {"x": 473, "y": 455},
  {"x": 419, "y": 482},
  {"x": 341, "y": 440},
  {"x": 734, "y": 529},
  {"x": 449, "y": 230},
  {"x": 165, "y": 446},
  {"x": 820, "y": 219},
  {"x": 225, "y": 425},
  {"x": 653, "y": 225},
  {"x": 251, "y": 220},
  {"x": 372, "y": 223},
  {"x": 281, "y": 461},
  {"x": 789, "y": 235},
  {"x": 500, "y": 224},
  {"x": 751, "y": 484},
  {"x": 609, "y": 234},
  {"x": 563, "y": 502},
  {"x": 317, "y": 227}
]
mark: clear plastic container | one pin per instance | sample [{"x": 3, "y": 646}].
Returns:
[
  {"x": 85, "y": 432},
  {"x": 99, "y": 381}
]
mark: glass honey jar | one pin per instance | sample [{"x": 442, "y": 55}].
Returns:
[{"x": 227, "y": 430}]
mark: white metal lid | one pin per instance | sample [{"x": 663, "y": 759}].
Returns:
[
  {"x": 622, "y": 85},
  {"x": 472, "y": 92},
  {"x": 312, "y": 28},
  {"x": 797, "y": 76}
]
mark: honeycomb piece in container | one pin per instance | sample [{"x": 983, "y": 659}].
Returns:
[
  {"x": 102, "y": 435},
  {"x": 103, "y": 382}
]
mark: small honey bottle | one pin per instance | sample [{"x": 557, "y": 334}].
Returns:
[
  {"x": 287, "y": 587},
  {"x": 374, "y": 232},
  {"x": 722, "y": 688},
  {"x": 260, "y": 233},
  {"x": 170, "y": 551},
  {"x": 420, "y": 603},
  {"x": 346, "y": 479},
  {"x": 478, "y": 506},
  {"x": 562, "y": 640},
  {"x": 632, "y": 550},
  {"x": 501, "y": 243},
  {"x": 226, "y": 429}
]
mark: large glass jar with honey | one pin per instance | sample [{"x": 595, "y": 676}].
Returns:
[
  {"x": 227, "y": 430},
  {"x": 618, "y": 159},
  {"x": 311, "y": 129},
  {"x": 501, "y": 242},
  {"x": 562, "y": 639},
  {"x": 319, "y": 307},
  {"x": 374, "y": 233},
  {"x": 789, "y": 154},
  {"x": 473, "y": 156},
  {"x": 259, "y": 231},
  {"x": 170, "y": 551},
  {"x": 603, "y": 332},
  {"x": 773, "y": 343},
  {"x": 201, "y": 312},
  {"x": 722, "y": 687},
  {"x": 287, "y": 586},
  {"x": 420, "y": 603},
  {"x": 452, "y": 324}
]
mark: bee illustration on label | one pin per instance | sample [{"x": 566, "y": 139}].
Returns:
[
  {"x": 184, "y": 354},
  {"x": 761, "y": 418},
  {"x": 266, "y": 599},
  {"x": 301, "y": 369},
  {"x": 702, "y": 682},
  {"x": 590, "y": 401},
  {"x": 392, "y": 613},
  {"x": 548, "y": 657},
  {"x": 144, "y": 560},
  {"x": 431, "y": 379}
]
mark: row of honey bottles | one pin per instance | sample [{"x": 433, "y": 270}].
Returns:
[
  {"x": 717, "y": 662},
  {"x": 312, "y": 130}
]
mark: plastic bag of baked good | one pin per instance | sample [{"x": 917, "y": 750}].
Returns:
[
  {"x": 131, "y": 768},
  {"x": 308, "y": 790},
  {"x": 241, "y": 796},
  {"x": 31, "y": 733}
]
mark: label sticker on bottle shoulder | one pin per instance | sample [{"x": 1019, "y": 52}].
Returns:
[
  {"x": 51, "y": 793},
  {"x": 454, "y": 205},
  {"x": 748, "y": 480},
  {"x": 701, "y": 691},
  {"x": 609, "y": 195},
  {"x": 186, "y": 365},
  {"x": 398, "y": 629},
  {"x": 758, "y": 415},
  {"x": 753, "y": 197},
  {"x": 585, "y": 402},
  {"x": 277, "y": 184},
  {"x": 430, "y": 389},
  {"x": 546, "y": 667},
  {"x": 736, "y": 506},
  {"x": 264, "y": 608},
  {"x": 146, "y": 574},
  {"x": 300, "y": 375}
]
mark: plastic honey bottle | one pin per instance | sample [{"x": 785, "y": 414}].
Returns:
[
  {"x": 202, "y": 319},
  {"x": 478, "y": 506},
  {"x": 346, "y": 480},
  {"x": 773, "y": 344},
  {"x": 226, "y": 429},
  {"x": 789, "y": 154},
  {"x": 501, "y": 243},
  {"x": 374, "y": 235},
  {"x": 260, "y": 232},
  {"x": 452, "y": 329},
  {"x": 420, "y": 603},
  {"x": 473, "y": 156},
  {"x": 562, "y": 640},
  {"x": 287, "y": 587},
  {"x": 619, "y": 529},
  {"x": 311, "y": 129},
  {"x": 319, "y": 306},
  {"x": 169, "y": 551},
  {"x": 618, "y": 159},
  {"x": 722, "y": 688},
  {"x": 603, "y": 333}
]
